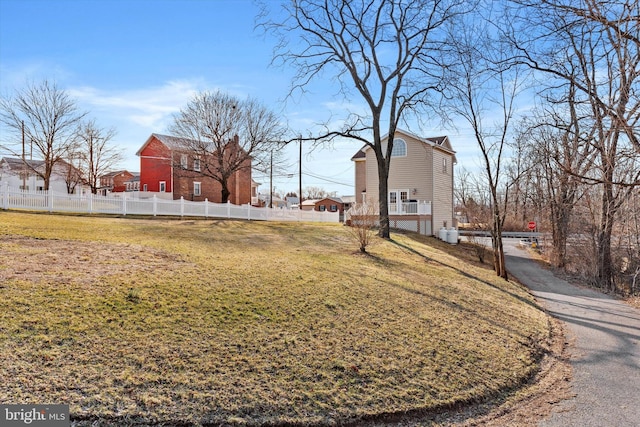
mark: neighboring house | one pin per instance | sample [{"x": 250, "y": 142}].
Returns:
[
  {"x": 134, "y": 183},
  {"x": 421, "y": 171},
  {"x": 308, "y": 205},
  {"x": 117, "y": 181},
  {"x": 169, "y": 169},
  {"x": 330, "y": 204},
  {"x": 17, "y": 173}
]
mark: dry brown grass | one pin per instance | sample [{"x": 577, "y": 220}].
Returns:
[{"x": 196, "y": 322}]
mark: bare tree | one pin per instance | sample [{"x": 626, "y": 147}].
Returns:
[
  {"x": 363, "y": 224},
  {"x": 93, "y": 153},
  {"x": 389, "y": 53},
  {"x": 483, "y": 94},
  {"x": 45, "y": 116},
  {"x": 227, "y": 135},
  {"x": 592, "y": 46}
]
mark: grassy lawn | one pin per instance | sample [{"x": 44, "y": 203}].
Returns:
[{"x": 249, "y": 323}]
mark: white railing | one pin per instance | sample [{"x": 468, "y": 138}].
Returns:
[
  {"x": 410, "y": 208},
  {"x": 48, "y": 201}
]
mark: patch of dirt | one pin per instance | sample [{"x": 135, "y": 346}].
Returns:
[{"x": 61, "y": 261}]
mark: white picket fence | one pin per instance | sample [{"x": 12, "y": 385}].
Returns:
[{"x": 94, "y": 204}]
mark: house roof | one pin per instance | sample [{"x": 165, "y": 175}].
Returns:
[
  {"x": 441, "y": 142},
  {"x": 171, "y": 142},
  {"x": 116, "y": 173},
  {"x": 16, "y": 163},
  {"x": 360, "y": 154},
  {"x": 177, "y": 143},
  {"x": 334, "y": 199}
]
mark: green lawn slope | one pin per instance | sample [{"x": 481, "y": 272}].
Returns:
[{"x": 250, "y": 323}]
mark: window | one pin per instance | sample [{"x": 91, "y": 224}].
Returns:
[
  {"x": 197, "y": 189},
  {"x": 322, "y": 208},
  {"x": 393, "y": 197},
  {"x": 144, "y": 187},
  {"x": 184, "y": 161},
  {"x": 196, "y": 165},
  {"x": 399, "y": 148},
  {"x": 444, "y": 165},
  {"x": 163, "y": 186},
  {"x": 333, "y": 208}
]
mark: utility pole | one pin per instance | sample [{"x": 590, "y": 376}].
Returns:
[
  {"x": 24, "y": 163},
  {"x": 271, "y": 182},
  {"x": 300, "y": 175}
]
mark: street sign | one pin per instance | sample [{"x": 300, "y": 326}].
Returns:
[{"x": 532, "y": 225}]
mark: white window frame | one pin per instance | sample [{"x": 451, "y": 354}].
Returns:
[
  {"x": 163, "y": 186},
  {"x": 396, "y": 151},
  {"x": 184, "y": 161},
  {"x": 196, "y": 164},
  {"x": 444, "y": 165},
  {"x": 197, "y": 188}
]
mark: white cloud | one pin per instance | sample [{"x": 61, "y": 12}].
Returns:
[{"x": 150, "y": 108}]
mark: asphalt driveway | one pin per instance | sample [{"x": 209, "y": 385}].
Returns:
[{"x": 604, "y": 344}]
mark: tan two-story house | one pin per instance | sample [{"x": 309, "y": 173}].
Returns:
[{"x": 420, "y": 185}]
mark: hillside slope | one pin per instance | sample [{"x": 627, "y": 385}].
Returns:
[{"x": 195, "y": 322}]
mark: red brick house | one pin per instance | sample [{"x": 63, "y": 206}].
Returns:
[
  {"x": 330, "y": 204},
  {"x": 168, "y": 168},
  {"x": 115, "y": 182}
]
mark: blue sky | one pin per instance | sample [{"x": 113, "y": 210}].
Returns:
[{"x": 134, "y": 63}]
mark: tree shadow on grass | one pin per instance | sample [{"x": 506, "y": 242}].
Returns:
[{"x": 465, "y": 274}]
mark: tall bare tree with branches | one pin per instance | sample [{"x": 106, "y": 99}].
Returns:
[
  {"x": 43, "y": 115},
  {"x": 227, "y": 135},
  {"x": 93, "y": 154},
  {"x": 483, "y": 94},
  {"x": 389, "y": 53}
]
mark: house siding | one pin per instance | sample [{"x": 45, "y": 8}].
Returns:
[
  {"x": 442, "y": 190},
  {"x": 360, "y": 179},
  {"x": 413, "y": 172},
  {"x": 155, "y": 166}
]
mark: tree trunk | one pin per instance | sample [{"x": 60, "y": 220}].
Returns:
[
  {"x": 383, "y": 176},
  {"x": 225, "y": 193},
  {"x": 605, "y": 267}
]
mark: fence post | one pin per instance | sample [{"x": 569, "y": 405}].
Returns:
[
  {"x": 49, "y": 200},
  {"x": 5, "y": 196},
  {"x": 228, "y": 209},
  {"x": 155, "y": 206},
  {"x": 181, "y": 206},
  {"x": 206, "y": 207},
  {"x": 249, "y": 211},
  {"x": 90, "y": 203}
]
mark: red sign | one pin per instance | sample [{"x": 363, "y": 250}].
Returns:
[{"x": 532, "y": 225}]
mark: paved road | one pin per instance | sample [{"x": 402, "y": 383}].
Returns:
[{"x": 604, "y": 336}]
